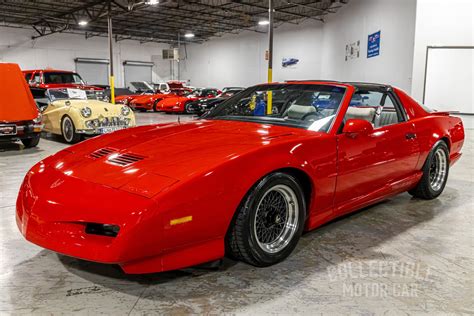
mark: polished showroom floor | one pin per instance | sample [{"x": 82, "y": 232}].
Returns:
[{"x": 400, "y": 256}]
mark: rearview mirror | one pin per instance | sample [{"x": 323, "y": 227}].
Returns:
[{"x": 353, "y": 127}]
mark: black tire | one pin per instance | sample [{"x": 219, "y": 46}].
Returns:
[
  {"x": 242, "y": 239},
  {"x": 429, "y": 188},
  {"x": 142, "y": 110},
  {"x": 31, "y": 142},
  {"x": 155, "y": 109},
  {"x": 69, "y": 136},
  {"x": 186, "y": 108}
]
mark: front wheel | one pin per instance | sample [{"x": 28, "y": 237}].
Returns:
[
  {"x": 435, "y": 173},
  {"x": 68, "y": 131},
  {"x": 31, "y": 142},
  {"x": 155, "y": 105},
  {"x": 269, "y": 222},
  {"x": 188, "y": 108}
]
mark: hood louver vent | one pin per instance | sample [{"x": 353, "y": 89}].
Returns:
[
  {"x": 101, "y": 153},
  {"x": 124, "y": 159}
]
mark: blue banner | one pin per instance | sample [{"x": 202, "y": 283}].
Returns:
[{"x": 373, "y": 45}]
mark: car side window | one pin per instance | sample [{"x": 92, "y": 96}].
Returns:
[
  {"x": 376, "y": 107},
  {"x": 387, "y": 115},
  {"x": 364, "y": 105}
]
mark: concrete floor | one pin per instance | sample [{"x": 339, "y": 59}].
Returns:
[{"x": 401, "y": 256}]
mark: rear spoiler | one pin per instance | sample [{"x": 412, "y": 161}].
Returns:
[{"x": 445, "y": 113}]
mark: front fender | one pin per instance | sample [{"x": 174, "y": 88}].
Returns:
[{"x": 209, "y": 199}]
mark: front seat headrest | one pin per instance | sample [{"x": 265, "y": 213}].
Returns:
[
  {"x": 298, "y": 112},
  {"x": 367, "y": 114}
]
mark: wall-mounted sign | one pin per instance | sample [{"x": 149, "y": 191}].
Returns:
[
  {"x": 289, "y": 62},
  {"x": 373, "y": 45},
  {"x": 352, "y": 50}
]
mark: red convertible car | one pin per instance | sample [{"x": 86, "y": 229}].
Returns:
[{"x": 140, "y": 197}]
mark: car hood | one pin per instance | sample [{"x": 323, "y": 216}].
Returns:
[
  {"x": 16, "y": 103},
  {"x": 169, "y": 152},
  {"x": 70, "y": 85},
  {"x": 99, "y": 108}
]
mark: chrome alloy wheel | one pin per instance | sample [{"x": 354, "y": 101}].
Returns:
[
  {"x": 276, "y": 218},
  {"x": 68, "y": 129},
  {"x": 438, "y": 169}
]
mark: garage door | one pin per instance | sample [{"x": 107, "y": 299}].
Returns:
[
  {"x": 137, "y": 71},
  {"x": 93, "y": 71}
]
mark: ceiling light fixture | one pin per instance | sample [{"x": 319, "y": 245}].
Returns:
[
  {"x": 152, "y": 2},
  {"x": 263, "y": 22},
  {"x": 189, "y": 35},
  {"x": 82, "y": 22}
]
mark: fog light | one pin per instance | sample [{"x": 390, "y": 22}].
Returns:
[{"x": 102, "y": 229}]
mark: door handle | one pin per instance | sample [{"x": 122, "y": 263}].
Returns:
[{"x": 410, "y": 135}]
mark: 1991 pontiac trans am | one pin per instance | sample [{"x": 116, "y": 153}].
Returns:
[{"x": 244, "y": 181}]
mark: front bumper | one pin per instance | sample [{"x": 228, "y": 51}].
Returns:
[
  {"x": 105, "y": 125},
  {"x": 56, "y": 218},
  {"x": 54, "y": 209},
  {"x": 19, "y": 131},
  {"x": 100, "y": 130},
  {"x": 141, "y": 106}
]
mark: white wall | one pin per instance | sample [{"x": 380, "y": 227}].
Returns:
[
  {"x": 239, "y": 59},
  {"x": 358, "y": 19},
  {"x": 440, "y": 23},
  {"x": 59, "y": 51}
]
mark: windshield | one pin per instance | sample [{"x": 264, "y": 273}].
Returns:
[
  {"x": 309, "y": 106},
  {"x": 62, "y": 77},
  {"x": 229, "y": 93},
  {"x": 72, "y": 94},
  {"x": 181, "y": 92}
]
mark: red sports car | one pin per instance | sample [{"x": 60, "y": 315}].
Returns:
[
  {"x": 182, "y": 103},
  {"x": 150, "y": 102},
  {"x": 280, "y": 158}
]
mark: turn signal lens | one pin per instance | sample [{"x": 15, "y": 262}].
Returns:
[{"x": 38, "y": 119}]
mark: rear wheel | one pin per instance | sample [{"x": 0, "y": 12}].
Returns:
[
  {"x": 435, "y": 173},
  {"x": 68, "y": 131},
  {"x": 31, "y": 142},
  {"x": 269, "y": 222}
]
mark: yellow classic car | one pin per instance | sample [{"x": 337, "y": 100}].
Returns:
[{"x": 74, "y": 113}]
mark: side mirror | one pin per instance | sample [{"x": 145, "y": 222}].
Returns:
[{"x": 354, "y": 127}]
